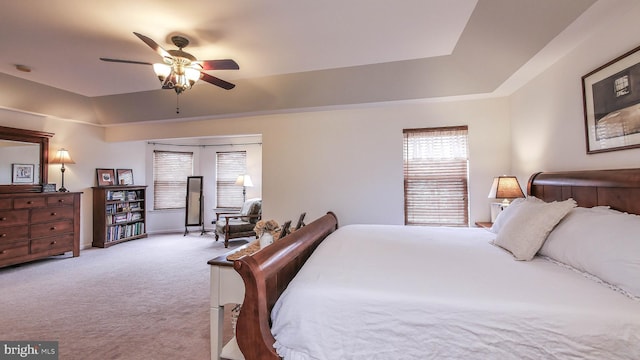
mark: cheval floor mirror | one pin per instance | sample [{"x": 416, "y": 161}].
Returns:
[{"x": 194, "y": 205}]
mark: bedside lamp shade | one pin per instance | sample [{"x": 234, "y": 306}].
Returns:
[
  {"x": 62, "y": 157},
  {"x": 505, "y": 187}
]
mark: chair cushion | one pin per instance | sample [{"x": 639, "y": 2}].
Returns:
[
  {"x": 235, "y": 226},
  {"x": 251, "y": 207}
]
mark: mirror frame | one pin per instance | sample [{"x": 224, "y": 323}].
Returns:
[{"x": 31, "y": 136}]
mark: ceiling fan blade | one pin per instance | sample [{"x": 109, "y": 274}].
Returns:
[
  {"x": 154, "y": 45},
  {"x": 224, "y": 64},
  {"x": 125, "y": 61},
  {"x": 217, "y": 82}
]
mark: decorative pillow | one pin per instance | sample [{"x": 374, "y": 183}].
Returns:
[
  {"x": 508, "y": 212},
  {"x": 527, "y": 228},
  {"x": 602, "y": 242}
]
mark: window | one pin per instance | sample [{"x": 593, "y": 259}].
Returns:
[
  {"x": 170, "y": 172},
  {"x": 435, "y": 176},
  {"x": 229, "y": 165}
]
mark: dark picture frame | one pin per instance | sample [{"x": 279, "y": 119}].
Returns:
[
  {"x": 611, "y": 100},
  {"x": 124, "y": 176},
  {"x": 105, "y": 177},
  {"x": 22, "y": 173}
]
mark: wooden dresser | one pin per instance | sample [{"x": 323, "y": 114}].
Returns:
[{"x": 38, "y": 225}]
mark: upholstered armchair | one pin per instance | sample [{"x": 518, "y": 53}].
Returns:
[{"x": 234, "y": 225}]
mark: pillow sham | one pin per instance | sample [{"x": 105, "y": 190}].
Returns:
[
  {"x": 508, "y": 212},
  {"x": 601, "y": 242},
  {"x": 527, "y": 228}
]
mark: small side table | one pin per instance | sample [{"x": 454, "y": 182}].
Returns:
[
  {"x": 227, "y": 287},
  {"x": 484, "y": 224}
]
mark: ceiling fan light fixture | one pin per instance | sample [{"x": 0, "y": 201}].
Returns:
[
  {"x": 162, "y": 71},
  {"x": 181, "y": 70},
  {"x": 193, "y": 75}
]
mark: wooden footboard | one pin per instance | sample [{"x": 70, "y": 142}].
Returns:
[{"x": 266, "y": 274}]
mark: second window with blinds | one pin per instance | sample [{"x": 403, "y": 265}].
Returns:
[
  {"x": 435, "y": 176},
  {"x": 229, "y": 165},
  {"x": 170, "y": 171}
]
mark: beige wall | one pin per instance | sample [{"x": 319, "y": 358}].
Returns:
[
  {"x": 350, "y": 161},
  {"x": 547, "y": 117}
]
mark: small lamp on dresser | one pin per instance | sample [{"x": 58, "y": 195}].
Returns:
[
  {"x": 62, "y": 157},
  {"x": 506, "y": 188}
]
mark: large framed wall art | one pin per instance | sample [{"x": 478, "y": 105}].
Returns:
[{"x": 612, "y": 104}]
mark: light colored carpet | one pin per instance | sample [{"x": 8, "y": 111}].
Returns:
[{"x": 143, "y": 299}]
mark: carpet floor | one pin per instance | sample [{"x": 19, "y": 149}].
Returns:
[{"x": 142, "y": 299}]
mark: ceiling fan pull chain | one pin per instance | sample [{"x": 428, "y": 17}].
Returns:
[{"x": 177, "y": 103}]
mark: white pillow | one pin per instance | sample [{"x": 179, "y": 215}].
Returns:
[
  {"x": 527, "y": 228},
  {"x": 604, "y": 243},
  {"x": 508, "y": 212}
]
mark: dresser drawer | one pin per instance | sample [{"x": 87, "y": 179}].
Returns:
[
  {"x": 13, "y": 250},
  {"x": 51, "y": 213},
  {"x": 52, "y": 244},
  {"x": 59, "y": 200},
  {"x": 51, "y": 229},
  {"x": 14, "y": 217},
  {"x": 6, "y": 204},
  {"x": 28, "y": 202},
  {"x": 13, "y": 233}
]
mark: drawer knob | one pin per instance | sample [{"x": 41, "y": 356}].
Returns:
[
  {"x": 52, "y": 228},
  {"x": 3, "y": 218},
  {"x": 60, "y": 200},
  {"x": 3, "y": 235},
  {"x": 3, "y": 252},
  {"x": 29, "y": 202},
  {"x": 53, "y": 242},
  {"x": 53, "y": 214}
]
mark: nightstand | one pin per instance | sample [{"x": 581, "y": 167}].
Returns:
[{"x": 484, "y": 224}]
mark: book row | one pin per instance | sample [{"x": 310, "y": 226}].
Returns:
[
  {"x": 123, "y": 207},
  {"x": 124, "y": 231},
  {"x": 123, "y": 217},
  {"x": 123, "y": 195}
]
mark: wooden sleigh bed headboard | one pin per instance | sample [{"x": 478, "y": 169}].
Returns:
[
  {"x": 619, "y": 189},
  {"x": 268, "y": 272}
]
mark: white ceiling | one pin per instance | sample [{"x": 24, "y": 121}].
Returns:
[{"x": 460, "y": 47}]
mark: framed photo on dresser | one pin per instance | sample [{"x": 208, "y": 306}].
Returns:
[{"x": 22, "y": 173}]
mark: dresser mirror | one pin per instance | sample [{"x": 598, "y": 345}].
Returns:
[{"x": 24, "y": 156}]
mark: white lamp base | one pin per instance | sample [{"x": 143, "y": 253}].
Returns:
[{"x": 496, "y": 209}]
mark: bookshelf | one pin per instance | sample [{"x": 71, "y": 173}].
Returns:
[{"x": 118, "y": 214}]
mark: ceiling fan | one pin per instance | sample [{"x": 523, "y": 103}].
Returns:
[{"x": 181, "y": 70}]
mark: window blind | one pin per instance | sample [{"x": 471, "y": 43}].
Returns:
[
  {"x": 436, "y": 176},
  {"x": 229, "y": 165},
  {"x": 170, "y": 172}
]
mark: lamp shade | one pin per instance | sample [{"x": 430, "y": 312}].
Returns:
[
  {"x": 244, "y": 180},
  {"x": 505, "y": 187},
  {"x": 62, "y": 157}
]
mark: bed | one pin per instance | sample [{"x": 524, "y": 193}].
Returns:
[{"x": 396, "y": 292}]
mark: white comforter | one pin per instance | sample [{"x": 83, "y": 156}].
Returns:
[{"x": 396, "y": 292}]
